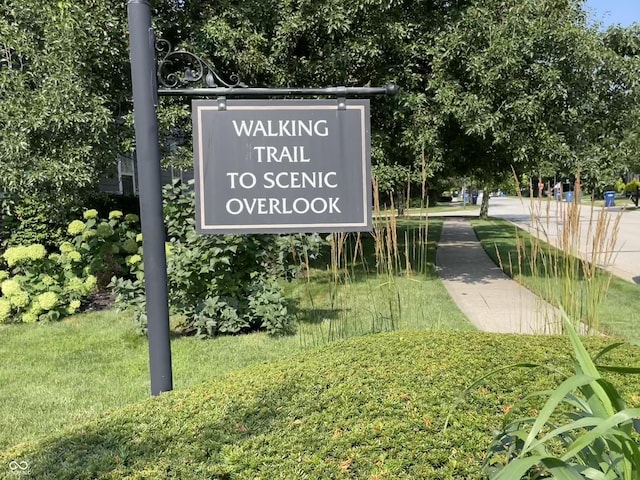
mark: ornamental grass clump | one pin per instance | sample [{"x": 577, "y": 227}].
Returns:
[
  {"x": 376, "y": 281},
  {"x": 563, "y": 257}
]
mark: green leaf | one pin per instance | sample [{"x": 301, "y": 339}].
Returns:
[
  {"x": 607, "y": 349},
  {"x": 554, "y": 400},
  {"x": 597, "y": 397},
  {"x": 606, "y": 427}
]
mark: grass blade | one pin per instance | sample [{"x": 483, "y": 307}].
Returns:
[
  {"x": 555, "y": 399},
  {"x": 605, "y": 427}
]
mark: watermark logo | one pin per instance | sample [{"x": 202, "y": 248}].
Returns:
[{"x": 19, "y": 468}]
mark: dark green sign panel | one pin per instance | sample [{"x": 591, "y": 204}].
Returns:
[{"x": 282, "y": 166}]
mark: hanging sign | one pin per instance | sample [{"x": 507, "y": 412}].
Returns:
[{"x": 282, "y": 166}]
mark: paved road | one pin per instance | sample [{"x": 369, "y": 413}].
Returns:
[{"x": 618, "y": 251}]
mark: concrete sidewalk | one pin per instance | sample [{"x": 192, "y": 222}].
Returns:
[{"x": 491, "y": 300}]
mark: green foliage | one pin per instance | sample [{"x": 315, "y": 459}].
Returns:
[
  {"x": 101, "y": 352},
  {"x": 38, "y": 286},
  {"x": 287, "y": 43},
  {"x": 107, "y": 244},
  {"x": 528, "y": 83},
  {"x": 63, "y": 80},
  {"x": 482, "y": 85},
  {"x": 391, "y": 178},
  {"x": 32, "y": 220},
  {"x": 43, "y": 286},
  {"x": 632, "y": 186},
  {"x": 584, "y": 430},
  {"x": 364, "y": 408},
  {"x": 219, "y": 284}
]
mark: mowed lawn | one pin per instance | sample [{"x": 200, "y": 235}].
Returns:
[
  {"x": 53, "y": 375},
  {"x": 58, "y": 374}
]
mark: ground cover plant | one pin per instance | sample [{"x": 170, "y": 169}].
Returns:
[
  {"x": 369, "y": 407},
  {"x": 559, "y": 277}
]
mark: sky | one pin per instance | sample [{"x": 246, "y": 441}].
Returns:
[{"x": 609, "y": 12}]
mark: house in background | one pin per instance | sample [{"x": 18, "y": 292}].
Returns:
[{"x": 124, "y": 179}]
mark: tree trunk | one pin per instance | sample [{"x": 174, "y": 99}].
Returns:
[{"x": 484, "y": 206}]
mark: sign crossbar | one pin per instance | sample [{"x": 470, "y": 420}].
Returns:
[{"x": 388, "y": 89}]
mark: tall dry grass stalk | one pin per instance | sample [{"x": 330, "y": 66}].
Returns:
[
  {"x": 565, "y": 253},
  {"x": 364, "y": 297}
]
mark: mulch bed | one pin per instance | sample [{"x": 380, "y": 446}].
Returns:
[{"x": 98, "y": 301}]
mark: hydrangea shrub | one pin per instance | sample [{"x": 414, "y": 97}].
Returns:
[
  {"x": 220, "y": 284},
  {"x": 107, "y": 243},
  {"x": 37, "y": 286}
]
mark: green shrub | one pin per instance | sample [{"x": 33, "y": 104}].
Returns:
[
  {"x": 106, "y": 243},
  {"x": 38, "y": 286},
  {"x": 366, "y": 408},
  {"x": 219, "y": 284}
]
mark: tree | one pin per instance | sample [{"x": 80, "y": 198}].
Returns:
[
  {"x": 304, "y": 43},
  {"x": 63, "y": 84},
  {"x": 623, "y": 62},
  {"x": 525, "y": 84}
]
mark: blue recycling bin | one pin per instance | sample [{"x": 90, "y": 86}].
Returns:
[
  {"x": 568, "y": 197},
  {"x": 466, "y": 198},
  {"x": 474, "y": 199},
  {"x": 609, "y": 199}
]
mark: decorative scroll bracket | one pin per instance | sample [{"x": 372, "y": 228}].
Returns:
[{"x": 178, "y": 68}]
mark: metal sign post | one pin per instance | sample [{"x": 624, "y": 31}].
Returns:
[{"x": 143, "y": 76}]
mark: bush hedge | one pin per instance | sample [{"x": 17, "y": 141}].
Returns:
[
  {"x": 218, "y": 284},
  {"x": 371, "y": 407}
]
